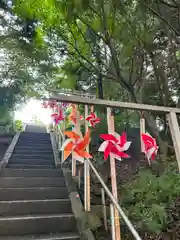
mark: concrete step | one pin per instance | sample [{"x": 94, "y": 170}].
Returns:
[
  {"x": 35, "y": 140},
  {"x": 35, "y": 147},
  {"x": 33, "y": 143},
  {"x": 35, "y": 166},
  {"x": 34, "y": 134},
  {"x": 28, "y": 207},
  {"x": 36, "y": 193},
  {"x": 22, "y": 182},
  {"x": 7, "y": 172},
  {"x": 30, "y": 155},
  {"x": 33, "y": 151},
  {"x": 35, "y": 129},
  {"x": 37, "y": 224},
  {"x": 63, "y": 236},
  {"x": 30, "y": 161}
]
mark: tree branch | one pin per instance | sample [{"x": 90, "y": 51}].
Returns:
[
  {"x": 163, "y": 19},
  {"x": 168, "y": 4}
]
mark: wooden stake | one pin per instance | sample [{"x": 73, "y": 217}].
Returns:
[
  {"x": 175, "y": 133},
  {"x": 111, "y": 129},
  {"x": 87, "y": 192}
]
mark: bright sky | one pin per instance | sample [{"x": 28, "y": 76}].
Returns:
[{"x": 33, "y": 109}]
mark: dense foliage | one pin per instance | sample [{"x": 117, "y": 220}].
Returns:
[
  {"x": 124, "y": 50},
  {"x": 150, "y": 200}
]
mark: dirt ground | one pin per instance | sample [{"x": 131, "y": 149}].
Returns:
[{"x": 5, "y": 140}]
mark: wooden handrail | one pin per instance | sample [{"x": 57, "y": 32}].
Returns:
[{"x": 112, "y": 104}]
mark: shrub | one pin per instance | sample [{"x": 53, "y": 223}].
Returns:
[
  {"x": 146, "y": 199},
  {"x": 18, "y": 125}
]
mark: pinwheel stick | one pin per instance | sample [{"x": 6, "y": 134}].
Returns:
[
  {"x": 77, "y": 130},
  {"x": 142, "y": 131},
  {"x": 87, "y": 202},
  {"x": 55, "y": 126},
  {"x": 111, "y": 129},
  {"x": 92, "y": 108}
]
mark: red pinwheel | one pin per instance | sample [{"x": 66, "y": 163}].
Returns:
[
  {"x": 93, "y": 119},
  {"x": 150, "y": 146},
  {"x": 58, "y": 116},
  {"x": 114, "y": 145}
]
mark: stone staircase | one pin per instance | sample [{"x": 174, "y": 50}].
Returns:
[{"x": 34, "y": 200}]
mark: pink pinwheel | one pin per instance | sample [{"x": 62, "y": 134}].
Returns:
[
  {"x": 52, "y": 104},
  {"x": 44, "y": 105},
  {"x": 72, "y": 115},
  {"x": 65, "y": 105},
  {"x": 93, "y": 119},
  {"x": 114, "y": 145},
  {"x": 58, "y": 116},
  {"x": 150, "y": 146}
]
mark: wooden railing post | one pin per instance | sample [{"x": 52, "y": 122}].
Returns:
[
  {"x": 111, "y": 129},
  {"x": 87, "y": 197},
  {"x": 104, "y": 208},
  {"x": 113, "y": 230},
  {"x": 142, "y": 130},
  {"x": 175, "y": 133}
]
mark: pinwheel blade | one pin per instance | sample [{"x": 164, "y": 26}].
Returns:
[
  {"x": 68, "y": 150},
  {"x": 82, "y": 145},
  {"x": 103, "y": 146},
  {"x": 72, "y": 135},
  {"x": 123, "y": 138},
  {"x": 108, "y": 137}
]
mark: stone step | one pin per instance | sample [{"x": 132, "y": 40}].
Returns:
[
  {"x": 22, "y": 182},
  {"x": 36, "y": 193},
  {"x": 7, "y": 172},
  {"x": 32, "y": 161},
  {"x": 28, "y": 207},
  {"x": 37, "y": 224},
  {"x": 63, "y": 236},
  {"x": 35, "y": 166}
]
